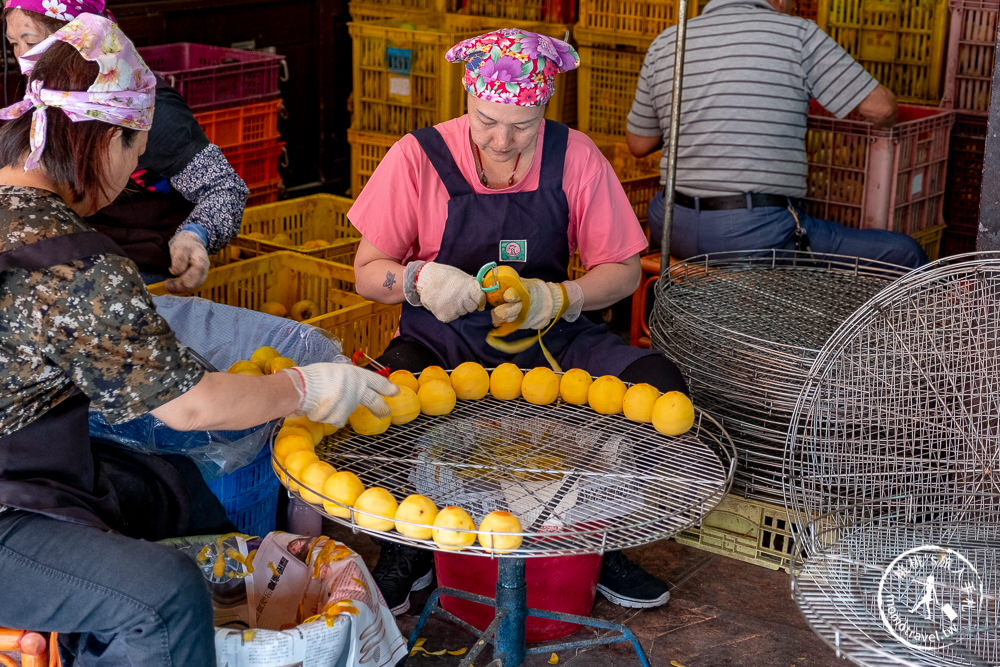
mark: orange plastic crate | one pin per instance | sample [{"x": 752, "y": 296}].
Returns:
[
  {"x": 971, "y": 50},
  {"x": 606, "y": 86},
  {"x": 287, "y": 277},
  {"x": 900, "y": 42},
  {"x": 264, "y": 194},
  {"x": 620, "y": 21},
  {"x": 879, "y": 179},
  {"x": 241, "y": 125},
  {"x": 257, "y": 164}
]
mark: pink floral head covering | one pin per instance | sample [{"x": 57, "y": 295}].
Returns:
[
  {"x": 122, "y": 94},
  {"x": 513, "y": 66},
  {"x": 58, "y": 9}
]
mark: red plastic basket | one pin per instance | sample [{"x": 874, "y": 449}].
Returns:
[
  {"x": 965, "y": 173},
  {"x": 264, "y": 194},
  {"x": 241, "y": 125},
  {"x": 210, "y": 77},
  {"x": 879, "y": 179},
  {"x": 256, "y": 164},
  {"x": 971, "y": 48}
]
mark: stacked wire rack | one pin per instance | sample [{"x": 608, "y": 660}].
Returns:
[
  {"x": 893, "y": 460},
  {"x": 744, "y": 328}
]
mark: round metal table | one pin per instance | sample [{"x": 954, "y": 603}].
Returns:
[{"x": 580, "y": 483}]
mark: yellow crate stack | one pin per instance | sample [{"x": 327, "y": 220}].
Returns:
[{"x": 900, "y": 42}]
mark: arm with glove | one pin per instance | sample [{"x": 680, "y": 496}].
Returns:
[
  {"x": 447, "y": 292},
  {"x": 541, "y": 302},
  {"x": 324, "y": 392}
]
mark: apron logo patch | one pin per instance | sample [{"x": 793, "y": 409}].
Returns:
[{"x": 514, "y": 251}]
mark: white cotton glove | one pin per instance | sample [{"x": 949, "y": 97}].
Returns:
[
  {"x": 448, "y": 292},
  {"x": 331, "y": 391},
  {"x": 188, "y": 261},
  {"x": 546, "y": 300}
]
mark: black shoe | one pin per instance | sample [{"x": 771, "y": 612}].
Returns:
[
  {"x": 401, "y": 569},
  {"x": 628, "y": 585}
]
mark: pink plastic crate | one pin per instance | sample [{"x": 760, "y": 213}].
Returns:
[
  {"x": 214, "y": 76},
  {"x": 971, "y": 49},
  {"x": 879, "y": 179}
]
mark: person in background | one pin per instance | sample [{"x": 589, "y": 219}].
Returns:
[
  {"x": 184, "y": 201},
  {"x": 78, "y": 328},
  {"x": 503, "y": 184},
  {"x": 749, "y": 73}
]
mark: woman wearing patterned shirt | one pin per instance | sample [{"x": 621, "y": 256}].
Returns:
[
  {"x": 184, "y": 201},
  {"x": 78, "y": 330}
]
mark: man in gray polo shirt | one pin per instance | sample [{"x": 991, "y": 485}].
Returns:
[{"x": 750, "y": 70}]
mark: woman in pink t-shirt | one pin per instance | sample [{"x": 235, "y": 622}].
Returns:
[{"x": 501, "y": 184}]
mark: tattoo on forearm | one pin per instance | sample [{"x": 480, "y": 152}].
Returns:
[{"x": 390, "y": 280}]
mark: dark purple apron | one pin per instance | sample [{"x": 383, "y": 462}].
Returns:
[
  {"x": 528, "y": 231},
  {"x": 51, "y": 467}
]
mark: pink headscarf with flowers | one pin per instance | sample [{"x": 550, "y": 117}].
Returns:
[
  {"x": 513, "y": 66},
  {"x": 62, "y": 10},
  {"x": 123, "y": 93}
]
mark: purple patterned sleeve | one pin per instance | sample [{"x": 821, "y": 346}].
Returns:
[{"x": 218, "y": 193}]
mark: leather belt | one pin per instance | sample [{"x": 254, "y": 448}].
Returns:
[{"x": 732, "y": 201}]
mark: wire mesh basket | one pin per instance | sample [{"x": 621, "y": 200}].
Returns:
[
  {"x": 745, "y": 328},
  {"x": 893, "y": 457},
  {"x": 579, "y": 481}
]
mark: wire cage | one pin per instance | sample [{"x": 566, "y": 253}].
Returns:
[
  {"x": 744, "y": 327},
  {"x": 579, "y": 481},
  {"x": 892, "y": 458}
]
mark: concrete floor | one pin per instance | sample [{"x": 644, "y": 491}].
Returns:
[{"x": 722, "y": 612}]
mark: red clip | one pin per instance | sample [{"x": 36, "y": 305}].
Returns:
[{"x": 381, "y": 369}]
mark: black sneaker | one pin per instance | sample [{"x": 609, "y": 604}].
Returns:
[
  {"x": 401, "y": 569},
  {"x": 626, "y": 584}
]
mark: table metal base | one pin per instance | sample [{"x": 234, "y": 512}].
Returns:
[{"x": 506, "y": 632}]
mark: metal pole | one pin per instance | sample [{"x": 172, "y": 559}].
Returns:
[
  {"x": 675, "y": 123},
  {"x": 512, "y": 597}
]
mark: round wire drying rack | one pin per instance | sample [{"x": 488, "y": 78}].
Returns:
[
  {"x": 580, "y": 482},
  {"x": 892, "y": 465},
  {"x": 745, "y": 327}
]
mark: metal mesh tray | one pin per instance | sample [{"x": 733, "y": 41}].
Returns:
[{"x": 580, "y": 482}]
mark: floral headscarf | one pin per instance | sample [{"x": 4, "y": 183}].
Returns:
[
  {"x": 57, "y": 9},
  {"x": 513, "y": 66},
  {"x": 123, "y": 93}
]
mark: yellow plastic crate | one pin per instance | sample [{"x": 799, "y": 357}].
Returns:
[
  {"x": 639, "y": 191},
  {"x": 524, "y": 10},
  {"x": 900, "y": 42},
  {"x": 752, "y": 531},
  {"x": 378, "y": 11},
  {"x": 367, "y": 150},
  {"x": 288, "y": 277},
  {"x": 401, "y": 80},
  {"x": 605, "y": 87},
  {"x": 305, "y": 221},
  {"x": 618, "y": 20},
  {"x": 626, "y": 165},
  {"x": 930, "y": 241}
]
